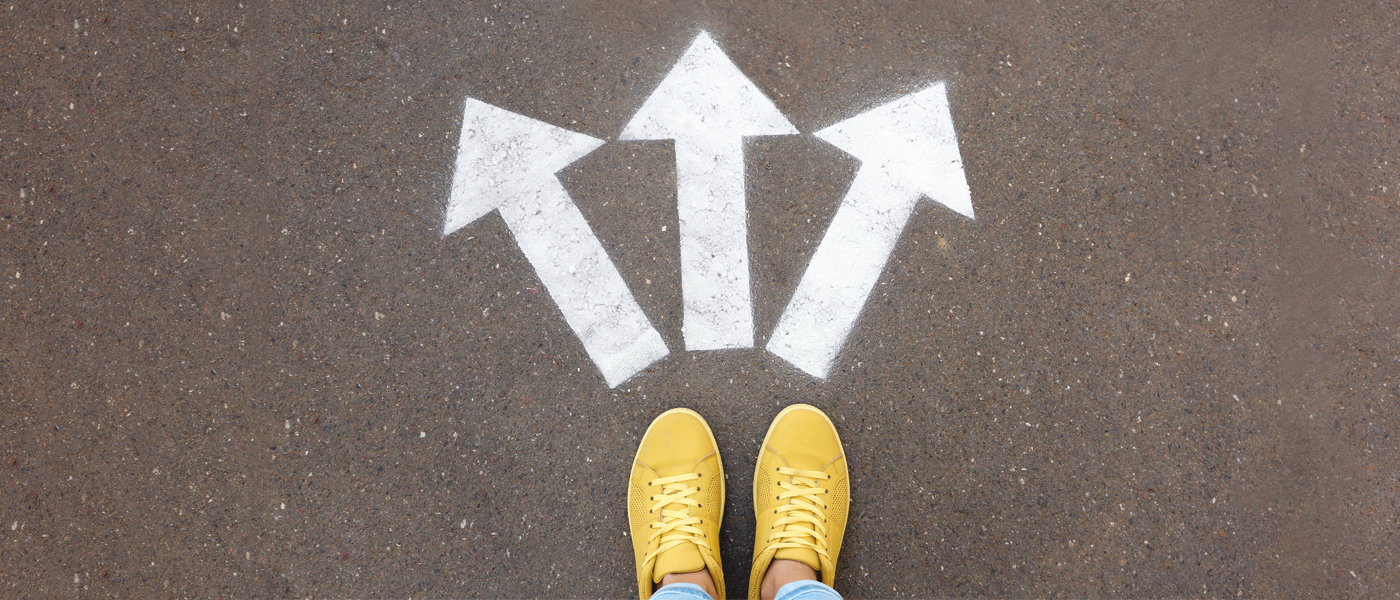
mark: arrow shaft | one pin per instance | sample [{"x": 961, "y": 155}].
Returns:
[
  {"x": 579, "y": 275},
  {"x": 714, "y": 241},
  {"x": 841, "y": 274}
]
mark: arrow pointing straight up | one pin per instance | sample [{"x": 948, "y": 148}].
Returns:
[
  {"x": 708, "y": 106},
  {"x": 506, "y": 161},
  {"x": 908, "y": 150}
]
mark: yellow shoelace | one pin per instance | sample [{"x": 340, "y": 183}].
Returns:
[
  {"x": 677, "y": 526},
  {"x": 804, "y": 524}
]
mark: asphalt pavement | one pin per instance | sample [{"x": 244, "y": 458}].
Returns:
[{"x": 239, "y": 358}]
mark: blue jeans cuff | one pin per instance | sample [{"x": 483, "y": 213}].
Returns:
[
  {"x": 797, "y": 590},
  {"x": 807, "y": 590},
  {"x": 681, "y": 591}
]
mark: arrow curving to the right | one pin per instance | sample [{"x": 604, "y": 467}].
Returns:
[{"x": 908, "y": 150}]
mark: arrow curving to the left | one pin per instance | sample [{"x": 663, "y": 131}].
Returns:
[{"x": 507, "y": 162}]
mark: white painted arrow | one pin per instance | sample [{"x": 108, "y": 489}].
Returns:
[
  {"x": 908, "y": 150},
  {"x": 507, "y": 162},
  {"x": 707, "y": 106}
]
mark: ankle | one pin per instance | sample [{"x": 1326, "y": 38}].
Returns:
[
  {"x": 782, "y": 572},
  {"x": 701, "y": 578}
]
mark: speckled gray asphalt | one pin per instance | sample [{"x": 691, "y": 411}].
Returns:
[{"x": 239, "y": 360}]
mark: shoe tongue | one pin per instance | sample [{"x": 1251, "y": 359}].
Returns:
[
  {"x": 684, "y": 558},
  {"x": 802, "y": 555}
]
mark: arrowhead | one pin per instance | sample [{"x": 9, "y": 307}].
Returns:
[
  {"x": 706, "y": 96},
  {"x": 503, "y": 156},
  {"x": 910, "y": 144}
]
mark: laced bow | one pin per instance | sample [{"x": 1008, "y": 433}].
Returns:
[
  {"x": 677, "y": 525},
  {"x": 804, "y": 524}
]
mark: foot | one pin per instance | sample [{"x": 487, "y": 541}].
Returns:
[
  {"x": 782, "y": 572},
  {"x": 701, "y": 578},
  {"x": 801, "y": 496},
  {"x": 675, "y": 503}
]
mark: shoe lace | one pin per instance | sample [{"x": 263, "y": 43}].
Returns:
[
  {"x": 677, "y": 525},
  {"x": 803, "y": 524}
]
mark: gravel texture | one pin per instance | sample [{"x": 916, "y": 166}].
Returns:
[{"x": 238, "y": 359}]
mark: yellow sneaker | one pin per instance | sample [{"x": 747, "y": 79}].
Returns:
[
  {"x": 676, "y": 500},
  {"x": 801, "y": 494}
]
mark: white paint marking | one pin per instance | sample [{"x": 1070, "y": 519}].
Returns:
[
  {"x": 708, "y": 106},
  {"x": 507, "y": 162},
  {"x": 908, "y": 150}
]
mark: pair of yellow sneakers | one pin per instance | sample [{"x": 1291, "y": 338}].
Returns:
[{"x": 801, "y": 497}]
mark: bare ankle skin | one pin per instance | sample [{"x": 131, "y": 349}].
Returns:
[
  {"x": 781, "y": 573},
  {"x": 701, "y": 578}
]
